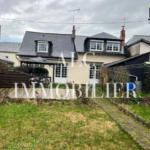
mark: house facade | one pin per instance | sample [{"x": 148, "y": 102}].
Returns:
[{"x": 79, "y": 53}]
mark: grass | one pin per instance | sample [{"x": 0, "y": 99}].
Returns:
[
  {"x": 28, "y": 126},
  {"x": 139, "y": 110}
]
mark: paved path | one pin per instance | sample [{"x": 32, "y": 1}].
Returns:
[{"x": 138, "y": 132}]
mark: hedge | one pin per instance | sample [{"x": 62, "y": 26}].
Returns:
[{"x": 37, "y": 71}]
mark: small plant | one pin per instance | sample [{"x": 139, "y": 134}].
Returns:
[
  {"x": 136, "y": 100},
  {"x": 38, "y": 98}
]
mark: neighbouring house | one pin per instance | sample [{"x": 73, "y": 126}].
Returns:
[
  {"x": 9, "y": 50},
  {"x": 138, "y": 44},
  {"x": 138, "y": 53},
  {"x": 49, "y": 47},
  {"x": 5, "y": 59},
  {"x": 135, "y": 64}
]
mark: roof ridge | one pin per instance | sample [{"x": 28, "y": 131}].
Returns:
[
  {"x": 10, "y": 42},
  {"x": 141, "y": 35},
  {"x": 48, "y": 33}
]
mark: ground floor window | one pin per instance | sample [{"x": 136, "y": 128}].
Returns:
[
  {"x": 61, "y": 73},
  {"x": 94, "y": 73}
]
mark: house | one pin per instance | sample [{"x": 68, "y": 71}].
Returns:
[
  {"x": 51, "y": 47},
  {"x": 9, "y": 50}
]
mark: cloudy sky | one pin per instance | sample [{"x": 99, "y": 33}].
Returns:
[{"x": 109, "y": 13}]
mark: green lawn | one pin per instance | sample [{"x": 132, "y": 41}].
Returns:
[
  {"x": 142, "y": 111},
  {"x": 25, "y": 126}
]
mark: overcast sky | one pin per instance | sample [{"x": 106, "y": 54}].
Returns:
[{"x": 91, "y": 11}]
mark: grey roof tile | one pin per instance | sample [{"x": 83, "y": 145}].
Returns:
[
  {"x": 61, "y": 43},
  {"x": 79, "y": 43},
  {"x": 105, "y": 35},
  {"x": 9, "y": 47},
  {"x": 136, "y": 38}
]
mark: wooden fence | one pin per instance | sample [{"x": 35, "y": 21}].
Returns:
[{"x": 8, "y": 78}]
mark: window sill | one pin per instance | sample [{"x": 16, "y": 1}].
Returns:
[
  {"x": 96, "y": 50},
  {"x": 41, "y": 52}
]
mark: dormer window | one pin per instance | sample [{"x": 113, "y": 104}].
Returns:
[
  {"x": 113, "y": 46},
  {"x": 96, "y": 45},
  {"x": 42, "y": 47}
]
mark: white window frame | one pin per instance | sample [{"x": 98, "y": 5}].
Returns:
[
  {"x": 96, "y": 45},
  {"x": 45, "y": 43},
  {"x": 113, "y": 42}
]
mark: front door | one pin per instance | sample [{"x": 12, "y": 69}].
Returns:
[
  {"x": 94, "y": 74},
  {"x": 61, "y": 72}
]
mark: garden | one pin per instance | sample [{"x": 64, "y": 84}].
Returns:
[{"x": 57, "y": 125}]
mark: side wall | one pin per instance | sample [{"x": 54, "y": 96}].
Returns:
[
  {"x": 12, "y": 57},
  {"x": 139, "y": 48},
  {"x": 144, "y": 48}
]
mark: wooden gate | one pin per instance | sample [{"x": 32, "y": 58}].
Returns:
[{"x": 8, "y": 78}]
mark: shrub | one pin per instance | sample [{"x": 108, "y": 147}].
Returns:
[
  {"x": 147, "y": 81},
  {"x": 35, "y": 71},
  {"x": 112, "y": 75}
]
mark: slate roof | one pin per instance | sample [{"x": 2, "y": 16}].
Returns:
[
  {"x": 61, "y": 43},
  {"x": 9, "y": 47},
  {"x": 137, "y": 38},
  {"x": 79, "y": 40},
  {"x": 2, "y": 57},
  {"x": 79, "y": 43},
  {"x": 105, "y": 35}
]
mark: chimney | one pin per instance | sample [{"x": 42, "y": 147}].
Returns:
[
  {"x": 123, "y": 35},
  {"x": 73, "y": 32}
]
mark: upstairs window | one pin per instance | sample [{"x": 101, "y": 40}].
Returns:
[
  {"x": 113, "y": 46},
  {"x": 96, "y": 45},
  {"x": 42, "y": 47}
]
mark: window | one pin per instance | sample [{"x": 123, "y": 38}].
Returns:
[
  {"x": 96, "y": 45},
  {"x": 113, "y": 47},
  {"x": 43, "y": 47},
  {"x": 61, "y": 71},
  {"x": 94, "y": 70}
]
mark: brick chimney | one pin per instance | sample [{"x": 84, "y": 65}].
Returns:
[
  {"x": 73, "y": 32},
  {"x": 123, "y": 35}
]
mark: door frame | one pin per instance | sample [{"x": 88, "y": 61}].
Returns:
[{"x": 60, "y": 73}]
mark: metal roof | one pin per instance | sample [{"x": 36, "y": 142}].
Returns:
[
  {"x": 38, "y": 60},
  {"x": 123, "y": 60}
]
